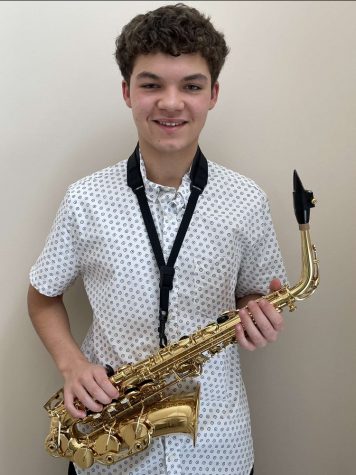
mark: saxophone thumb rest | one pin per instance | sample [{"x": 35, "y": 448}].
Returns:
[{"x": 144, "y": 408}]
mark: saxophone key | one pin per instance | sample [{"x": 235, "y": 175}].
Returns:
[
  {"x": 63, "y": 444},
  {"x": 210, "y": 329},
  {"x": 55, "y": 404},
  {"x": 82, "y": 454},
  {"x": 131, "y": 393},
  {"x": 222, "y": 319},
  {"x": 136, "y": 435},
  {"x": 52, "y": 445},
  {"x": 146, "y": 385},
  {"x": 83, "y": 457},
  {"x": 184, "y": 338},
  {"x": 106, "y": 443},
  {"x": 111, "y": 410},
  {"x": 109, "y": 458}
]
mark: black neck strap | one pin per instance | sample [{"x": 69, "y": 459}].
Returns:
[{"x": 199, "y": 178}]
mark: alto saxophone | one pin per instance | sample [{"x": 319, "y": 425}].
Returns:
[{"x": 144, "y": 409}]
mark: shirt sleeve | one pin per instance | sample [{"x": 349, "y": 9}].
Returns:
[
  {"x": 262, "y": 260},
  {"x": 58, "y": 265}
]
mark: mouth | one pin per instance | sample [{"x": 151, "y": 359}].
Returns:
[{"x": 170, "y": 124}]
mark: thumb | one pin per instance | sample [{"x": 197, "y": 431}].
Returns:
[{"x": 275, "y": 284}]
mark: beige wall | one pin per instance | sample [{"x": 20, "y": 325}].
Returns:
[{"x": 287, "y": 101}]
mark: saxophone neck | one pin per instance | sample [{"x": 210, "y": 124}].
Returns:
[
  {"x": 303, "y": 201},
  {"x": 309, "y": 279}
]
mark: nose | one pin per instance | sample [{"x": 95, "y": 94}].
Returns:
[{"x": 171, "y": 100}]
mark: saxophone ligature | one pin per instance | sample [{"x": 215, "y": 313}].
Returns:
[{"x": 144, "y": 408}]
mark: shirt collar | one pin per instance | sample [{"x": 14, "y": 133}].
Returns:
[{"x": 154, "y": 191}]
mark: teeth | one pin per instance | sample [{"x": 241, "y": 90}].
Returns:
[{"x": 170, "y": 124}]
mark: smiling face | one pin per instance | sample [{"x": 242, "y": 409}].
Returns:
[{"x": 170, "y": 98}]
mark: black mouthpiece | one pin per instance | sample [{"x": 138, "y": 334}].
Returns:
[{"x": 303, "y": 200}]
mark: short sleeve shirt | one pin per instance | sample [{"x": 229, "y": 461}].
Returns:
[{"x": 230, "y": 250}]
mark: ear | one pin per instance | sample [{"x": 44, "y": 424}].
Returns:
[
  {"x": 126, "y": 93},
  {"x": 214, "y": 95}
]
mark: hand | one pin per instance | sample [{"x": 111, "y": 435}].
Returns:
[
  {"x": 89, "y": 384},
  {"x": 260, "y": 322}
]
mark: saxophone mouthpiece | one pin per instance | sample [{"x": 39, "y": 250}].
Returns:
[{"x": 303, "y": 200}]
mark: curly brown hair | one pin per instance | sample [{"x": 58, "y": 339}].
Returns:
[{"x": 171, "y": 29}]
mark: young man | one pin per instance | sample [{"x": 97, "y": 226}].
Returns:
[{"x": 170, "y": 60}]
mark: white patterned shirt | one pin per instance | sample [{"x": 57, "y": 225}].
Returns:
[{"x": 230, "y": 250}]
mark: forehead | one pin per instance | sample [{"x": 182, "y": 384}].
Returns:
[{"x": 169, "y": 67}]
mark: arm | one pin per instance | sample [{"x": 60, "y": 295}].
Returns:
[
  {"x": 82, "y": 380},
  {"x": 269, "y": 322}
]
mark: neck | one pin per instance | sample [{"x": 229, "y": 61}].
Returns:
[{"x": 165, "y": 168}]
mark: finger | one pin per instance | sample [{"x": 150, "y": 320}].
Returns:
[
  {"x": 96, "y": 392},
  {"x": 241, "y": 338},
  {"x": 275, "y": 284},
  {"x": 87, "y": 400},
  {"x": 69, "y": 405},
  {"x": 261, "y": 315},
  {"x": 105, "y": 384},
  {"x": 274, "y": 316},
  {"x": 252, "y": 331}
]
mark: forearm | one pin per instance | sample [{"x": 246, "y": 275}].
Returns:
[
  {"x": 82, "y": 380},
  {"x": 50, "y": 320}
]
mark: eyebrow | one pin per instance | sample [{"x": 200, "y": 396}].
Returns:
[
  {"x": 155, "y": 77},
  {"x": 147, "y": 75},
  {"x": 196, "y": 77}
]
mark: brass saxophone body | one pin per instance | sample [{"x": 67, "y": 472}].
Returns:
[{"x": 144, "y": 408}]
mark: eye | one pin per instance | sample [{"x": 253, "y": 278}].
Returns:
[
  {"x": 150, "y": 86},
  {"x": 193, "y": 87}
]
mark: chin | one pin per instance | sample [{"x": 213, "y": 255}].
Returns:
[{"x": 172, "y": 147}]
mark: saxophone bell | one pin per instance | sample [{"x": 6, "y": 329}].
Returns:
[{"x": 176, "y": 414}]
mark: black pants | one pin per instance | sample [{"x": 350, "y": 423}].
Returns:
[{"x": 71, "y": 470}]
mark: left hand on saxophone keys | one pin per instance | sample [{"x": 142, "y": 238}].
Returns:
[{"x": 260, "y": 322}]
